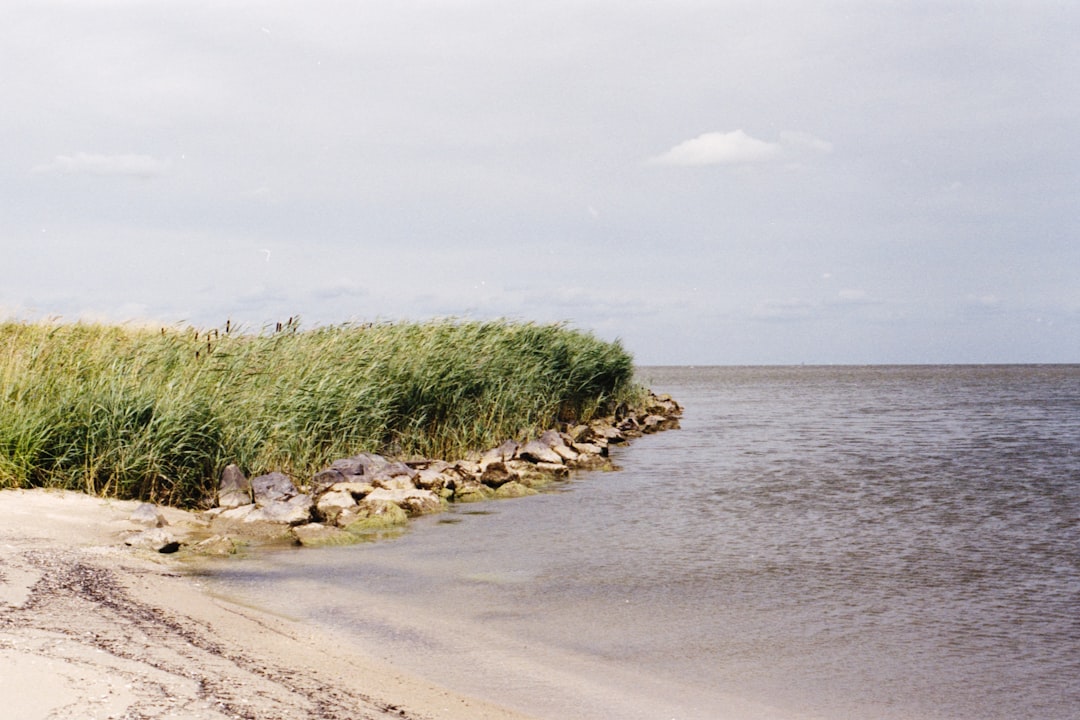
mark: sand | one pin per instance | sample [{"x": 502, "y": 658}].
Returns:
[{"x": 92, "y": 629}]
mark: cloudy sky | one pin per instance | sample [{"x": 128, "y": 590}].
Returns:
[{"x": 711, "y": 182}]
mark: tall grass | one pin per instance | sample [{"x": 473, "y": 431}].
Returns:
[{"x": 156, "y": 414}]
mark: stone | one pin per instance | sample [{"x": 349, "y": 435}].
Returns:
[
  {"x": 372, "y": 516},
  {"x": 608, "y": 433},
  {"x": 567, "y": 454},
  {"x": 472, "y": 492},
  {"x": 324, "y": 479},
  {"x": 273, "y": 487},
  {"x": 356, "y": 489},
  {"x": 497, "y": 474},
  {"x": 589, "y": 449},
  {"x": 234, "y": 490},
  {"x": 319, "y": 535},
  {"x": 551, "y": 438},
  {"x": 538, "y": 452},
  {"x": 156, "y": 539},
  {"x": 390, "y": 472},
  {"x": 395, "y": 482},
  {"x": 413, "y": 501},
  {"x": 330, "y": 505},
  {"x": 236, "y": 514},
  {"x": 580, "y": 433},
  {"x": 513, "y": 489},
  {"x": 555, "y": 469},
  {"x": 432, "y": 478},
  {"x": 216, "y": 546},
  {"x": 148, "y": 514},
  {"x": 590, "y": 462},
  {"x": 294, "y": 511}
]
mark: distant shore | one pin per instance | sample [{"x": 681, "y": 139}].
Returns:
[{"x": 90, "y": 628}]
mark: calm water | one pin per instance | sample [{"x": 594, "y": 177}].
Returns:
[{"x": 878, "y": 542}]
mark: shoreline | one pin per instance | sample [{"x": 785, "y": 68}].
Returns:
[{"x": 90, "y": 628}]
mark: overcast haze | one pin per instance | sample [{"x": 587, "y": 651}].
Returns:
[{"x": 711, "y": 182}]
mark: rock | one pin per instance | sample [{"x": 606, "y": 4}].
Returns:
[
  {"x": 580, "y": 433},
  {"x": 236, "y": 514},
  {"x": 356, "y": 489},
  {"x": 148, "y": 514},
  {"x": 538, "y": 452},
  {"x": 413, "y": 501},
  {"x": 513, "y": 489},
  {"x": 395, "y": 482},
  {"x": 273, "y": 487},
  {"x": 589, "y": 449},
  {"x": 504, "y": 452},
  {"x": 216, "y": 546},
  {"x": 156, "y": 539},
  {"x": 473, "y": 491},
  {"x": 567, "y": 454},
  {"x": 372, "y": 516},
  {"x": 294, "y": 511},
  {"x": 432, "y": 478},
  {"x": 608, "y": 433},
  {"x": 590, "y": 462},
  {"x": 467, "y": 468},
  {"x": 362, "y": 464},
  {"x": 234, "y": 489},
  {"x": 325, "y": 479},
  {"x": 391, "y": 472},
  {"x": 330, "y": 505},
  {"x": 551, "y": 438},
  {"x": 497, "y": 474},
  {"x": 319, "y": 535},
  {"x": 555, "y": 469}
]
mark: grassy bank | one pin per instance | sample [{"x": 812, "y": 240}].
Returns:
[{"x": 156, "y": 413}]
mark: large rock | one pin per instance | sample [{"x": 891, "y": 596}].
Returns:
[
  {"x": 362, "y": 464},
  {"x": 325, "y": 479},
  {"x": 538, "y": 452},
  {"x": 569, "y": 455},
  {"x": 497, "y": 474},
  {"x": 513, "y": 490},
  {"x": 551, "y": 438},
  {"x": 273, "y": 487},
  {"x": 156, "y": 539},
  {"x": 294, "y": 511},
  {"x": 413, "y": 501},
  {"x": 330, "y": 505},
  {"x": 149, "y": 515},
  {"x": 234, "y": 489},
  {"x": 389, "y": 472},
  {"x": 319, "y": 535},
  {"x": 433, "y": 478},
  {"x": 372, "y": 516},
  {"x": 504, "y": 452},
  {"x": 472, "y": 491}
]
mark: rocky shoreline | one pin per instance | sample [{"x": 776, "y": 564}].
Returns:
[{"x": 367, "y": 494}]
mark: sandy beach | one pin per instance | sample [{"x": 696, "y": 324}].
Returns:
[{"x": 92, "y": 629}]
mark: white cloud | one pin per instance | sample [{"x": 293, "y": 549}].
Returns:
[
  {"x": 144, "y": 166},
  {"x": 719, "y": 148},
  {"x": 738, "y": 148},
  {"x": 803, "y": 142}
]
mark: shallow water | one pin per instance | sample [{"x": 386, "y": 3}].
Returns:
[{"x": 875, "y": 542}]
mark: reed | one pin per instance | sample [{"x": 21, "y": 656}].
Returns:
[{"x": 155, "y": 414}]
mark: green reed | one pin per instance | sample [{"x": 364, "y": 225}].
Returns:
[{"x": 157, "y": 413}]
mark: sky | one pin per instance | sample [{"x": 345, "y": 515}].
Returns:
[{"x": 708, "y": 182}]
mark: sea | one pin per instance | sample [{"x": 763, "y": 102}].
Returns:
[{"x": 872, "y": 543}]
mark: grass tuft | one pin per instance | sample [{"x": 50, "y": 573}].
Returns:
[{"x": 156, "y": 414}]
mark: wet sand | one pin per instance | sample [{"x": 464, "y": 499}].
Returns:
[{"x": 92, "y": 629}]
